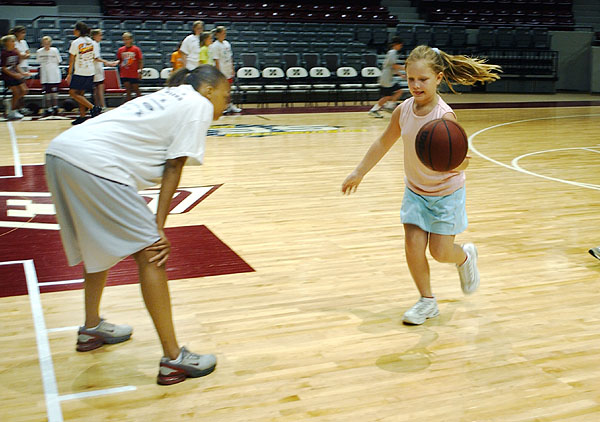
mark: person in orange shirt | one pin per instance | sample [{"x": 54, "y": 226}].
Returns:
[{"x": 177, "y": 59}]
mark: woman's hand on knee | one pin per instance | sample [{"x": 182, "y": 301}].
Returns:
[{"x": 163, "y": 249}]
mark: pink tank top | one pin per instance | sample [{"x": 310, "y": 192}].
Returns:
[{"x": 419, "y": 178}]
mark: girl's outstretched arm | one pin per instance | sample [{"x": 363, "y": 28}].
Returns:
[{"x": 375, "y": 153}]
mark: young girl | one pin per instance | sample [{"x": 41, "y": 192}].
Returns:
[
  {"x": 433, "y": 209},
  {"x": 130, "y": 66},
  {"x": 23, "y": 48},
  {"x": 223, "y": 57},
  {"x": 12, "y": 75},
  {"x": 80, "y": 75},
  {"x": 94, "y": 173},
  {"x": 49, "y": 59},
  {"x": 190, "y": 46},
  {"x": 99, "y": 69},
  {"x": 177, "y": 59},
  {"x": 205, "y": 52}
]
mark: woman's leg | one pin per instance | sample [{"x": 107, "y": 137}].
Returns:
[
  {"x": 79, "y": 97},
  {"x": 415, "y": 245},
  {"x": 155, "y": 290},
  {"x": 93, "y": 286}
]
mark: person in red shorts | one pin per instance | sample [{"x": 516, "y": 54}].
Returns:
[{"x": 130, "y": 61}]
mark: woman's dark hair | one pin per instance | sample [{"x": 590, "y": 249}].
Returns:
[
  {"x": 203, "y": 74},
  {"x": 82, "y": 28},
  {"x": 396, "y": 40},
  {"x": 17, "y": 29}
]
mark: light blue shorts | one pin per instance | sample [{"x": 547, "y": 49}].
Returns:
[{"x": 435, "y": 214}]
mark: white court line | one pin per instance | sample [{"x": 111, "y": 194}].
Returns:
[
  {"x": 52, "y": 397},
  {"x": 15, "y": 150},
  {"x": 87, "y": 394},
  {"x": 59, "y": 283},
  {"x": 517, "y": 168},
  {"x": 59, "y": 329}
]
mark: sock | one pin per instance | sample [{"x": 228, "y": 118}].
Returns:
[{"x": 376, "y": 107}]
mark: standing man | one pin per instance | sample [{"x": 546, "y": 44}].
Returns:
[{"x": 190, "y": 47}]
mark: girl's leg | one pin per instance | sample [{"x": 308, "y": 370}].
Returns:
[
  {"x": 100, "y": 101},
  {"x": 443, "y": 249},
  {"x": 16, "y": 95},
  {"x": 382, "y": 101},
  {"x": 79, "y": 97},
  {"x": 415, "y": 245},
  {"x": 136, "y": 88},
  {"x": 155, "y": 290},
  {"x": 127, "y": 91},
  {"x": 94, "y": 285}
]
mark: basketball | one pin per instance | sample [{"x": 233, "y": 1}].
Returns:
[{"x": 442, "y": 144}]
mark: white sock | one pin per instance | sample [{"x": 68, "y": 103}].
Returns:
[{"x": 376, "y": 107}]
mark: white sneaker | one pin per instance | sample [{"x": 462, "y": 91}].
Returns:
[
  {"x": 186, "y": 365},
  {"x": 595, "y": 252},
  {"x": 14, "y": 114},
  {"x": 423, "y": 309},
  {"x": 468, "y": 272},
  {"x": 104, "y": 333},
  {"x": 375, "y": 114},
  {"x": 234, "y": 109}
]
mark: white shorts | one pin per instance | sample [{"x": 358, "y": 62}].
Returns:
[{"x": 101, "y": 221}]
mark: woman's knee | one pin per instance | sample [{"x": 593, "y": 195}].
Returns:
[{"x": 440, "y": 252}]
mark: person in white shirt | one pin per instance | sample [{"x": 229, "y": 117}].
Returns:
[
  {"x": 96, "y": 35},
  {"x": 190, "y": 46},
  {"x": 21, "y": 45},
  {"x": 80, "y": 76},
  {"x": 49, "y": 58},
  {"x": 223, "y": 58},
  {"x": 94, "y": 172}
]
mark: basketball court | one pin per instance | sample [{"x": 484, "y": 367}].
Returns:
[{"x": 300, "y": 291}]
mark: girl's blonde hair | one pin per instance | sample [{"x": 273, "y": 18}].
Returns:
[
  {"x": 7, "y": 38},
  {"x": 457, "y": 69},
  {"x": 47, "y": 38}
]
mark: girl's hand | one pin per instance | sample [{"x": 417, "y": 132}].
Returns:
[
  {"x": 351, "y": 183},
  {"x": 113, "y": 63},
  {"x": 163, "y": 247}
]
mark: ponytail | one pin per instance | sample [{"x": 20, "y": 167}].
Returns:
[{"x": 457, "y": 69}]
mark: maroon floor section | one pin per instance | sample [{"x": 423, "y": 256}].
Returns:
[{"x": 196, "y": 251}]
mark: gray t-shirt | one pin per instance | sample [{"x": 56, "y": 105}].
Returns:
[{"x": 387, "y": 73}]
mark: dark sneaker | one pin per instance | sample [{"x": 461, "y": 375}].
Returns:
[
  {"x": 78, "y": 121},
  {"x": 187, "y": 365},
  {"x": 104, "y": 333},
  {"x": 595, "y": 252},
  {"x": 96, "y": 110}
]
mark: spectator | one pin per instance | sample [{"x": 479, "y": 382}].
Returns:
[
  {"x": 205, "y": 52},
  {"x": 80, "y": 75},
  {"x": 177, "y": 58},
  {"x": 12, "y": 74},
  {"x": 50, "y": 76},
  {"x": 20, "y": 32},
  {"x": 130, "y": 66},
  {"x": 223, "y": 57},
  {"x": 99, "y": 69},
  {"x": 190, "y": 46}
]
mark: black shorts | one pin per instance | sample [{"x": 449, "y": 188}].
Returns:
[
  {"x": 50, "y": 88},
  {"x": 133, "y": 81},
  {"x": 388, "y": 91},
  {"x": 82, "y": 83},
  {"x": 97, "y": 83},
  {"x": 13, "y": 82}
]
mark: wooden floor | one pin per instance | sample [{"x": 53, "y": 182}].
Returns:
[{"x": 315, "y": 332}]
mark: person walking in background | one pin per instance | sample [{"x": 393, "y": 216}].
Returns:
[
  {"x": 99, "y": 69},
  {"x": 131, "y": 63},
  {"x": 223, "y": 57},
  {"x": 389, "y": 90},
  {"x": 50, "y": 77},
  {"x": 21, "y": 45},
  {"x": 80, "y": 75},
  {"x": 190, "y": 46},
  {"x": 12, "y": 75}
]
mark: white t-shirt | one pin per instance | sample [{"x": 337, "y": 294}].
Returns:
[
  {"x": 84, "y": 51},
  {"x": 49, "y": 61},
  {"x": 191, "y": 47},
  {"x": 98, "y": 66},
  {"x": 131, "y": 143},
  {"x": 22, "y": 46},
  {"x": 221, "y": 51}
]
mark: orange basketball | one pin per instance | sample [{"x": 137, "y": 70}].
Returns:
[{"x": 442, "y": 144}]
